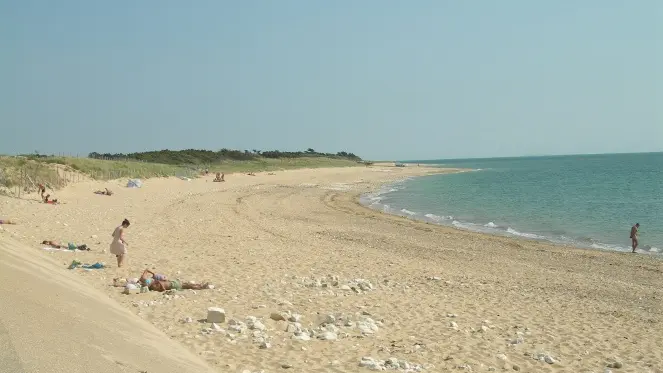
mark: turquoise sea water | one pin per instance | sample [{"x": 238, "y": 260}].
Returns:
[{"x": 588, "y": 201}]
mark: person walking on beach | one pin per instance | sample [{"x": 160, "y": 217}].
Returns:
[
  {"x": 119, "y": 245},
  {"x": 634, "y": 236}
]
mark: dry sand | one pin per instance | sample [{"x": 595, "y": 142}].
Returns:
[
  {"x": 442, "y": 298},
  {"x": 52, "y": 322}
]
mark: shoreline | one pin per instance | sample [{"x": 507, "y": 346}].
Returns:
[
  {"x": 299, "y": 242},
  {"x": 371, "y": 198}
]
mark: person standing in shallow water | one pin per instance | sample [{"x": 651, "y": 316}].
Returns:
[
  {"x": 119, "y": 245},
  {"x": 634, "y": 236}
]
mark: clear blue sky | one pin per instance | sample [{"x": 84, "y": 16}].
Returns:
[{"x": 385, "y": 79}]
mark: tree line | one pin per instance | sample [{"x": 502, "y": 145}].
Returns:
[{"x": 196, "y": 156}]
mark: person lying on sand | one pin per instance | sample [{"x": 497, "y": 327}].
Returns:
[
  {"x": 71, "y": 246},
  {"x": 7, "y": 221},
  {"x": 53, "y": 244},
  {"x": 50, "y": 201},
  {"x": 158, "y": 282},
  {"x": 219, "y": 177},
  {"x": 106, "y": 192}
]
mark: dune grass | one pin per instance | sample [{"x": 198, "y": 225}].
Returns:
[
  {"x": 22, "y": 174},
  {"x": 19, "y": 171},
  {"x": 105, "y": 169}
]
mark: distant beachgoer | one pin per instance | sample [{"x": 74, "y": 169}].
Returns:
[
  {"x": 41, "y": 189},
  {"x": 47, "y": 199},
  {"x": 105, "y": 192},
  {"x": 634, "y": 236},
  {"x": 158, "y": 282},
  {"x": 251, "y": 174},
  {"x": 71, "y": 246},
  {"x": 53, "y": 244},
  {"x": 7, "y": 221},
  {"x": 220, "y": 176},
  {"x": 119, "y": 245}
]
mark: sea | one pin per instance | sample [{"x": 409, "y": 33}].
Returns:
[{"x": 588, "y": 201}]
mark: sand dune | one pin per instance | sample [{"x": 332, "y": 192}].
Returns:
[
  {"x": 298, "y": 243},
  {"x": 52, "y": 322}
]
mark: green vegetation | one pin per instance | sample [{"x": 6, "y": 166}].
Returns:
[
  {"x": 25, "y": 172},
  {"x": 207, "y": 157},
  {"x": 19, "y": 171},
  {"x": 105, "y": 170}
]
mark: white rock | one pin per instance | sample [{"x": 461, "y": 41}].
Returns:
[
  {"x": 302, "y": 337},
  {"x": 501, "y": 357},
  {"x": 257, "y": 325},
  {"x": 216, "y": 315},
  {"x": 328, "y": 336},
  {"x": 453, "y": 324},
  {"x": 370, "y": 363},
  {"x": 367, "y": 325},
  {"x": 392, "y": 362},
  {"x": 517, "y": 341},
  {"x": 265, "y": 345},
  {"x": 549, "y": 359},
  {"x": 236, "y": 326},
  {"x": 295, "y": 317},
  {"x": 328, "y": 319},
  {"x": 278, "y": 316}
]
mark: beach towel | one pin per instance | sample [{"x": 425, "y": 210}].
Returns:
[
  {"x": 54, "y": 249},
  {"x": 76, "y": 264}
]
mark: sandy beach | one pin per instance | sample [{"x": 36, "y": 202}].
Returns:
[{"x": 349, "y": 282}]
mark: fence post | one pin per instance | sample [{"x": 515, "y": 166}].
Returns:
[{"x": 20, "y": 183}]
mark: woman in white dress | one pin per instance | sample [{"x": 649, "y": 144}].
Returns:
[{"x": 119, "y": 245}]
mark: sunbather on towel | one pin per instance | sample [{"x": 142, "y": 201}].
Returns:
[
  {"x": 50, "y": 201},
  {"x": 57, "y": 245},
  {"x": 158, "y": 282},
  {"x": 105, "y": 192}
]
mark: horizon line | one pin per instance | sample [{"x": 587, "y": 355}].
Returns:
[{"x": 526, "y": 156}]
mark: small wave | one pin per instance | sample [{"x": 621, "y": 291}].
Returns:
[
  {"x": 458, "y": 224},
  {"x": 491, "y": 225},
  {"x": 437, "y": 218},
  {"x": 521, "y": 234},
  {"x": 406, "y": 211}
]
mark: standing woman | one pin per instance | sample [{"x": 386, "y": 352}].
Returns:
[{"x": 119, "y": 245}]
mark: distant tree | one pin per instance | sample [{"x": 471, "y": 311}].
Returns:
[{"x": 207, "y": 157}]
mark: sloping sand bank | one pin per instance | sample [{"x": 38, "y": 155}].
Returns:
[{"x": 51, "y": 322}]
